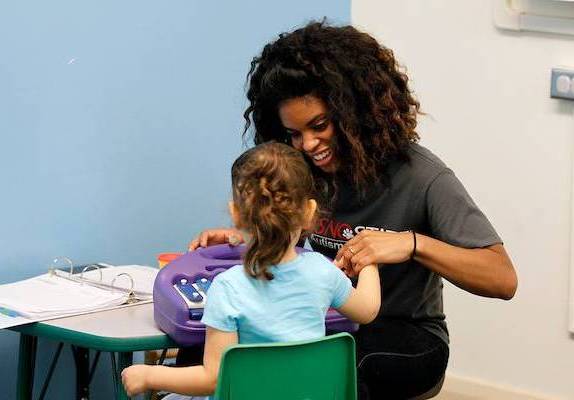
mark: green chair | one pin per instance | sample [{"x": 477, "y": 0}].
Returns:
[{"x": 322, "y": 369}]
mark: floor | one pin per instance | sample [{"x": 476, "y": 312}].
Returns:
[{"x": 445, "y": 395}]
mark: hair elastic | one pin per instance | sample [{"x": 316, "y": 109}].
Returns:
[{"x": 414, "y": 252}]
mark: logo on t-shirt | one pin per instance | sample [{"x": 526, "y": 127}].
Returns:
[
  {"x": 333, "y": 234},
  {"x": 347, "y": 233}
]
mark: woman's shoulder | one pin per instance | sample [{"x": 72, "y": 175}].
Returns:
[
  {"x": 423, "y": 166},
  {"x": 423, "y": 157}
]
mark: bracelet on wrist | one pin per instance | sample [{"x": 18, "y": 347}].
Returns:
[{"x": 414, "y": 251}]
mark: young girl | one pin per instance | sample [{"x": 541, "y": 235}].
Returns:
[{"x": 277, "y": 294}]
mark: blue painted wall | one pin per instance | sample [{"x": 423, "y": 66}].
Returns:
[{"x": 119, "y": 121}]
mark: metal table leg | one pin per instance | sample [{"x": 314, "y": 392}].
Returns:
[
  {"x": 82, "y": 360},
  {"x": 26, "y": 364}
]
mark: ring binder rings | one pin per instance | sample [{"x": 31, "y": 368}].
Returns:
[
  {"x": 69, "y": 289},
  {"x": 89, "y": 266},
  {"x": 138, "y": 276}
]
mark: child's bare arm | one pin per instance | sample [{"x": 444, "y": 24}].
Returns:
[
  {"x": 196, "y": 380},
  {"x": 364, "y": 302}
]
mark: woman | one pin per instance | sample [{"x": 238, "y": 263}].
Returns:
[{"x": 339, "y": 97}]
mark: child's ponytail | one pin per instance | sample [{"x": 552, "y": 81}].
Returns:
[{"x": 271, "y": 185}]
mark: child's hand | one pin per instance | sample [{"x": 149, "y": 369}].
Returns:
[
  {"x": 345, "y": 265},
  {"x": 134, "y": 379}
]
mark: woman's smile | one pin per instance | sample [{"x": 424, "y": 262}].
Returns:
[{"x": 306, "y": 120}]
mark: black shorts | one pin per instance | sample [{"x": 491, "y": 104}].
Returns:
[{"x": 398, "y": 359}]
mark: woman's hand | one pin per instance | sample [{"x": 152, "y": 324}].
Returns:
[
  {"x": 210, "y": 237},
  {"x": 134, "y": 379},
  {"x": 485, "y": 271},
  {"x": 374, "y": 247}
]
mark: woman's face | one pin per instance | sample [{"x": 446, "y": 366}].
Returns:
[{"x": 306, "y": 119}]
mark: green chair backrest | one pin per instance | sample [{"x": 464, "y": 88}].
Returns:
[{"x": 322, "y": 369}]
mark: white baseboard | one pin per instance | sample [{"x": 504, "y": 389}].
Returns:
[{"x": 462, "y": 388}]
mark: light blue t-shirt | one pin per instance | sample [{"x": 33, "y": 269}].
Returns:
[{"x": 290, "y": 307}]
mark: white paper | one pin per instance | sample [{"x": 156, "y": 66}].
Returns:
[
  {"x": 48, "y": 295},
  {"x": 56, "y": 295}
]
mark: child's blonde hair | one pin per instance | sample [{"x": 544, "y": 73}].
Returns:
[{"x": 271, "y": 184}]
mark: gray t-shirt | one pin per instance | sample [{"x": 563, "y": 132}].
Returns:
[{"x": 425, "y": 196}]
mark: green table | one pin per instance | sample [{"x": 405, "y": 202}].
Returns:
[{"x": 122, "y": 331}]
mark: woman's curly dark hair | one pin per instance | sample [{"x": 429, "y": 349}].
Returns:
[{"x": 374, "y": 112}]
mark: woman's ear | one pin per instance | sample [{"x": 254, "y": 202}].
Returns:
[
  {"x": 234, "y": 212},
  {"x": 310, "y": 211}
]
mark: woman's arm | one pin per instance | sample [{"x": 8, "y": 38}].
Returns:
[
  {"x": 364, "y": 302},
  {"x": 484, "y": 271},
  {"x": 196, "y": 380}
]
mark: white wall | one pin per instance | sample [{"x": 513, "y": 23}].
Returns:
[{"x": 491, "y": 119}]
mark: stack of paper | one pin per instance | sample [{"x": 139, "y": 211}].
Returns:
[
  {"x": 49, "y": 295},
  {"x": 60, "y": 294}
]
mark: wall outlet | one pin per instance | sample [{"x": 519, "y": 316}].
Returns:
[{"x": 562, "y": 83}]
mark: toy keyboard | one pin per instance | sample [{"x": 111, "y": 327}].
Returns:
[{"x": 182, "y": 286}]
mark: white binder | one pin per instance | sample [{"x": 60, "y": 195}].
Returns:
[{"x": 77, "y": 290}]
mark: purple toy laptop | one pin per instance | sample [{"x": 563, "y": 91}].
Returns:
[{"x": 180, "y": 289}]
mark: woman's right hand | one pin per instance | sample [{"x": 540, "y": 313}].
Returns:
[{"x": 210, "y": 237}]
